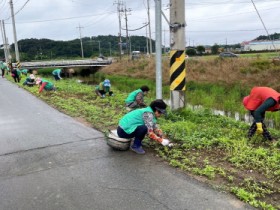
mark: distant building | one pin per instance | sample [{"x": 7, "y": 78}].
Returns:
[{"x": 256, "y": 45}]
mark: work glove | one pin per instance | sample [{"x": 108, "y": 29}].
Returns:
[
  {"x": 259, "y": 128},
  {"x": 165, "y": 142}
]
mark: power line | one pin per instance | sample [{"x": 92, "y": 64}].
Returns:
[
  {"x": 228, "y": 2},
  {"x": 58, "y": 19},
  {"x": 233, "y": 14},
  {"x": 263, "y": 25},
  {"x": 19, "y": 9},
  {"x": 235, "y": 30},
  {"x": 136, "y": 28}
]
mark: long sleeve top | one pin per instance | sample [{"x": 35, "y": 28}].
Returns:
[
  {"x": 154, "y": 132},
  {"x": 259, "y": 112}
]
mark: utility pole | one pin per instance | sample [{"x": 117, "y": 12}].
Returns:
[
  {"x": 177, "y": 54},
  {"x": 226, "y": 45},
  {"x": 164, "y": 41},
  {"x": 110, "y": 49},
  {"x": 4, "y": 40},
  {"x": 14, "y": 30},
  {"x": 147, "y": 39},
  {"x": 130, "y": 44},
  {"x": 82, "y": 50},
  {"x": 119, "y": 8},
  {"x": 126, "y": 28},
  {"x": 158, "y": 50},
  {"x": 91, "y": 44},
  {"x": 99, "y": 48},
  {"x": 149, "y": 21}
]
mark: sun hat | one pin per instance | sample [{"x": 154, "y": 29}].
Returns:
[
  {"x": 32, "y": 76},
  {"x": 107, "y": 83}
]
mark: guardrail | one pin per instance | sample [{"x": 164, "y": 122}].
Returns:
[{"x": 65, "y": 63}]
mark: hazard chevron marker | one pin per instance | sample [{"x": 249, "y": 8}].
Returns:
[{"x": 177, "y": 70}]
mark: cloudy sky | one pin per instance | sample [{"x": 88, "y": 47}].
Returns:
[{"x": 208, "y": 21}]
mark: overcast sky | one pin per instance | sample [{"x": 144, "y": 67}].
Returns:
[{"x": 208, "y": 21}]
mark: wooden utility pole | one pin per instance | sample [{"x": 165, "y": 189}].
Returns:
[{"x": 177, "y": 54}]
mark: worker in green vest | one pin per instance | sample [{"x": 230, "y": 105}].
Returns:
[
  {"x": 136, "y": 98},
  {"x": 3, "y": 68},
  {"x": 56, "y": 74},
  {"x": 103, "y": 88},
  {"x": 24, "y": 71},
  {"x": 141, "y": 122},
  {"x": 45, "y": 85},
  {"x": 30, "y": 80}
]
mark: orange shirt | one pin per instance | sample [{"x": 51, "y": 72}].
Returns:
[{"x": 258, "y": 95}]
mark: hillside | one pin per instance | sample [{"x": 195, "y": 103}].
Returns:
[{"x": 46, "y": 49}]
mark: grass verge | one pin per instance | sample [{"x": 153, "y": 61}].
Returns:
[{"x": 211, "y": 147}]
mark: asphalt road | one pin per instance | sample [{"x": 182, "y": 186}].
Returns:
[{"x": 50, "y": 161}]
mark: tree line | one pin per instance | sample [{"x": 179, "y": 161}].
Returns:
[{"x": 46, "y": 49}]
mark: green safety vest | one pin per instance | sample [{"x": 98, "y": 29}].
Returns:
[
  {"x": 18, "y": 72},
  {"x": 101, "y": 87},
  {"x": 132, "y": 96},
  {"x": 56, "y": 71},
  {"x": 3, "y": 66},
  {"x": 49, "y": 85},
  {"x": 24, "y": 71},
  {"x": 133, "y": 119}
]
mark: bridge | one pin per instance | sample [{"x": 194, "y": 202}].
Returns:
[{"x": 66, "y": 63}]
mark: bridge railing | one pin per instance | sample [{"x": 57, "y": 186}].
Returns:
[{"x": 65, "y": 63}]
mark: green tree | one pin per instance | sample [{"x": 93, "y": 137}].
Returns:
[
  {"x": 215, "y": 49},
  {"x": 191, "y": 52},
  {"x": 200, "y": 49}
]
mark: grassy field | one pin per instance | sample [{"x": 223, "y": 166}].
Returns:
[{"x": 209, "y": 147}]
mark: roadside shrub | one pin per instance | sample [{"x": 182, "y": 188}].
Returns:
[{"x": 261, "y": 64}]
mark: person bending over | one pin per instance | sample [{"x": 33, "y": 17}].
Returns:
[
  {"x": 260, "y": 100},
  {"x": 141, "y": 122},
  {"x": 136, "y": 98}
]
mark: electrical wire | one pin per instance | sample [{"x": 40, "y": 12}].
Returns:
[
  {"x": 18, "y": 10},
  {"x": 136, "y": 28},
  {"x": 58, "y": 19},
  {"x": 264, "y": 25}
]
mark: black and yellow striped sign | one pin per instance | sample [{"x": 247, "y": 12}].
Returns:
[
  {"x": 18, "y": 65},
  {"x": 177, "y": 70}
]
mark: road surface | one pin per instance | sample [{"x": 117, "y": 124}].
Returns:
[{"x": 49, "y": 161}]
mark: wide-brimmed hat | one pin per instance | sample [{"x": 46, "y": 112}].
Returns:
[{"x": 107, "y": 83}]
